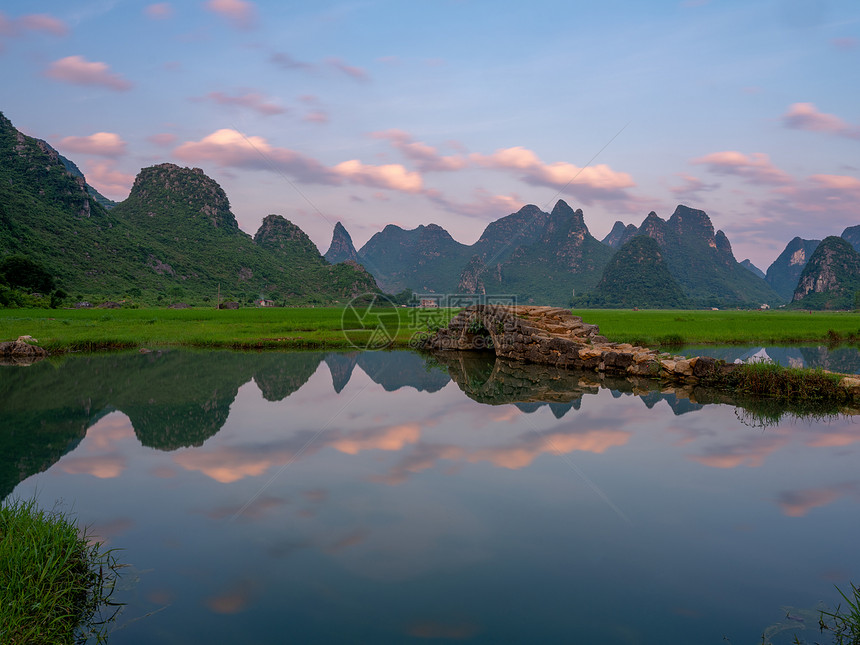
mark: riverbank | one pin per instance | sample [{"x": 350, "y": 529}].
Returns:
[
  {"x": 54, "y": 582},
  {"x": 63, "y": 330}
]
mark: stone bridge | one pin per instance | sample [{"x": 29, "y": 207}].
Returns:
[{"x": 554, "y": 336}]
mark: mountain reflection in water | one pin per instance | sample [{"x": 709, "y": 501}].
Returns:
[{"x": 393, "y": 497}]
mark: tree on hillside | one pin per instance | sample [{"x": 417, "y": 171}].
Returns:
[{"x": 22, "y": 272}]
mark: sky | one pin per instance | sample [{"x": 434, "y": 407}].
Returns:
[{"x": 458, "y": 112}]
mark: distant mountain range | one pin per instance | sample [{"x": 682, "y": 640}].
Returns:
[
  {"x": 552, "y": 258},
  {"x": 175, "y": 238}
]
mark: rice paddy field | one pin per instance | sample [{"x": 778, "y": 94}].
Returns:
[
  {"x": 674, "y": 327},
  {"x": 59, "y": 330}
]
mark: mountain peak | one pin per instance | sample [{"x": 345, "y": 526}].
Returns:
[
  {"x": 784, "y": 272},
  {"x": 341, "y": 248},
  {"x": 564, "y": 217},
  {"x": 831, "y": 276},
  {"x": 166, "y": 187},
  {"x": 288, "y": 241},
  {"x": 686, "y": 220},
  {"x": 619, "y": 235}
]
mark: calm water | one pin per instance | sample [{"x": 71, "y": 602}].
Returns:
[
  {"x": 845, "y": 360},
  {"x": 370, "y": 498}
]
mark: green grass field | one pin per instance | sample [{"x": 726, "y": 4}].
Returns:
[
  {"x": 60, "y": 330},
  {"x": 673, "y": 327},
  {"x": 92, "y": 329}
]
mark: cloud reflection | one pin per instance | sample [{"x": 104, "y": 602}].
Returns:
[
  {"x": 233, "y": 600},
  {"x": 99, "y": 454},
  {"x": 799, "y": 503}
]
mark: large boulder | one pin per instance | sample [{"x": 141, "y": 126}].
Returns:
[{"x": 21, "y": 351}]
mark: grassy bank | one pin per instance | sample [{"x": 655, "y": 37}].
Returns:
[
  {"x": 92, "y": 329},
  {"x": 265, "y": 328},
  {"x": 53, "y": 582},
  {"x": 653, "y": 328}
]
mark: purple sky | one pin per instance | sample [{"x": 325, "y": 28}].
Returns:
[{"x": 458, "y": 112}]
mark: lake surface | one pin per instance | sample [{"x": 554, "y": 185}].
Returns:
[{"x": 372, "y": 498}]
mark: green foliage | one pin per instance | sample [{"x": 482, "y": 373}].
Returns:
[
  {"x": 21, "y": 271},
  {"x": 175, "y": 231},
  {"x": 426, "y": 258},
  {"x": 476, "y": 326},
  {"x": 405, "y": 297},
  {"x": 54, "y": 584},
  {"x": 844, "y": 624},
  {"x": 764, "y": 379},
  {"x": 638, "y": 277},
  {"x": 837, "y": 260}
]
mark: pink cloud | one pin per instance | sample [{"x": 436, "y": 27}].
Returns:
[
  {"x": 241, "y": 14},
  {"x": 755, "y": 168},
  {"x": 845, "y": 44},
  {"x": 392, "y": 176},
  {"x": 229, "y": 148},
  {"x": 425, "y": 157},
  {"x": 109, "y": 181},
  {"x": 353, "y": 72},
  {"x": 40, "y": 22},
  {"x": 316, "y": 116},
  {"x": 103, "y": 144},
  {"x": 43, "y": 22},
  {"x": 162, "y": 139},
  {"x": 691, "y": 187},
  {"x": 159, "y": 11},
  {"x": 79, "y": 71},
  {"x": 587, "y": 184},
  {"x": 837, "y": 182},
  {"x": 252, "y": 100},
  {"x": 805, "y": 116}
]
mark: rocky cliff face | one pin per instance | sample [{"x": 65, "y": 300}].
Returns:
[
  {"x": 831, "y": 277},
  {"x": 619, "y": 235},
  {"x": 784, "y": 272},
  {"x": 852, "y": 236},
  {"x": 341, "y": 248}
]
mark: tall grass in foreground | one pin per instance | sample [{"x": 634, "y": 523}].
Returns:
[
  {"x": 54, "y": 583},
  {"x": 845, "y": 625}
]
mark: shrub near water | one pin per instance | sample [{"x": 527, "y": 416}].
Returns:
[
  {"x": 53, "y": 582},
  {"x": 770, "y": 379}
]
